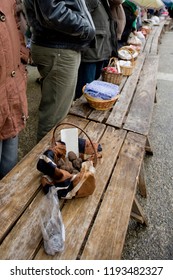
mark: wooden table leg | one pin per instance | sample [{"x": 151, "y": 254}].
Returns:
[
  {"x": 141, "y": 181},
  {"x": 155, "y": 97},
  {"x": 137, "y": 213},
  {"x": 148, "y": 148}
]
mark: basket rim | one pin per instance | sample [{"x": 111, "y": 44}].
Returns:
[
  {"x": 91, "y": 98},
  {"x": 126, "y": 67},
  {"x": 132, "y": 52},
  {"x": 111, "y": 73}
]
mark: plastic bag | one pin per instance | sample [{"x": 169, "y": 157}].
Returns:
[
  {"x": 133, "y": 40},
  {"x": 52, "y": 226},
  {"x": 141, "y": 36}
]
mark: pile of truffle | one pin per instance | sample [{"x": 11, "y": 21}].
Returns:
[{"x": 71, "y": 163}]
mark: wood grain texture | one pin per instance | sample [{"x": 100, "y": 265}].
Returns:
[
  {"x": 141, "y": 109},
  {"x": 108, "y": 233},
  {"x": 18, "y": 190},
  {"x": 78, "y": 214},
  {"x": 120, "y": 110}
]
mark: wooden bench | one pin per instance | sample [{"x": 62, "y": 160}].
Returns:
[
  {"x": 95, "y": 226},
  {"x": 133, "y": 111}
]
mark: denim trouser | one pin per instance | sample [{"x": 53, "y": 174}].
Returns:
[
  {"x": 88, "y": 72},
  {"x": 59, "y": 69},
  {"x": 8, "y": 155}
]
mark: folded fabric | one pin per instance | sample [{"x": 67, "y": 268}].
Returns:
[{"x": 102, "y": 90}]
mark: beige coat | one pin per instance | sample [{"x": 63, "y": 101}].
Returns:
[{"x": 13, "y": 101}]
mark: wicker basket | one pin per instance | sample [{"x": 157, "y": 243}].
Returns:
[
  {"x": 127, "y": 70},
  {"x": 114, "y": 78},
  {"x": 100, "y": 104},
  {"x": 133, "y": 54}
]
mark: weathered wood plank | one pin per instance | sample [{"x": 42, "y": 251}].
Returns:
[
  {"x": 140, "y": 114},
  {"x": 141, "y": 182},
  {"x": 21, "y": 185},
  {"x": 108, "y": 233},
  {"x": 149, "y": 40},
  {"x": 152, "y": 39},
  {"x": 25, "y": 236},
  {"x": 120, "y": 110},
  {"x": 137, "y": 213},
  {"x": 78, "y": 214},
  {"x": 156, "y": 39},
  {"x": 80, "y": 108}
]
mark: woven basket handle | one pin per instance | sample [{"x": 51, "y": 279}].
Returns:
[
  {"x": 114, "y": 63},
  {"x": 67, "y": 123}
]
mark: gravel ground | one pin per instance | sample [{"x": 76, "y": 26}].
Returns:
[{"x": 154, "y": 242}]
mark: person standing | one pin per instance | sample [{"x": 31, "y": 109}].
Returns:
[
  {"x": 60, "y": 30},
  {"x": 118, "y": 15},
  {"x": 98, "y": 55},
  {"x": 131, "y": 13},
  {"x": 13, "y": 80}
]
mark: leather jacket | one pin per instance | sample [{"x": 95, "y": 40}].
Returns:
[{"x": 60, "y": 24}]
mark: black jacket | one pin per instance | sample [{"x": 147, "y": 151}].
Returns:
[{"x": 60, "y": 24}]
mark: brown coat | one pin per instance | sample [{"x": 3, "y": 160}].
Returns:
[
  {"x": 118, "y": 15},
  {"x": 13, "y": 101}
]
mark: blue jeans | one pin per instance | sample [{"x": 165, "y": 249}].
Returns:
[
  {"x": 88, "y": 72},
  {"x": 8, "y": 155}
]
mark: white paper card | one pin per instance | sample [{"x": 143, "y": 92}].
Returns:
[{"x": 70, "y": 137}]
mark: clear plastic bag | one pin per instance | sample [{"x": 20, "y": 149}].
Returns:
[{"x": 52, "y": 226}]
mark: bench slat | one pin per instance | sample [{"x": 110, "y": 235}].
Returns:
[
  {"x": 21, "y": 185},
  {"x": 120, "y": 109},
  {"x": 78, "y": 214},
  {"x": 140, "y": 114},
  {"x": 156, "y": 39},
  {"x": 149, "y": 40},
  {"x": 18, "y": 188},
  {"x": 108, "y": 233}
]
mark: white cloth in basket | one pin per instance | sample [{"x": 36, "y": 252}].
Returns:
[{"x": 102, "y": 90}]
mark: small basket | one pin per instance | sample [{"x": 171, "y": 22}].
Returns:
[
  {"x": 127, "y": 70},
  {"x": 100, "y": 104},
  {"x": 133, "y": 53},
  {"x": 114, "y": 78}
]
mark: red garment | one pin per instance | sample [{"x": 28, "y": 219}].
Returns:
[{"x": 13, "y": 101}]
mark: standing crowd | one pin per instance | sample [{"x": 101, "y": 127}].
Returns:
[{"x": 71, "y": 41}]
